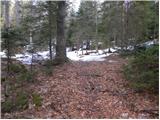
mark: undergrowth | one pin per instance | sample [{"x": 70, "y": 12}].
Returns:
[{"x": 143, "y": 70}]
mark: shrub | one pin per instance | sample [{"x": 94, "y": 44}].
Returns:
[
  {"x": 30, "y": 76},
  {"x": 23, "y": 68},
  {"x": 93, "y": 47},
  {"x": 143, "y": 70},
  {"x": 126, "y": 53},
  {"x": 137, "y": 49},
  {"x": 48, "y": 71},
  {"x": 17, "y": 68},
  {"x": 7, "y": 106},
  {"x": 27, "y": 76},
  {"x": 37, "y": 100},
  {"x": 48, "y": 67},
  {"x": 49, "y": 63},
  {"x": 21, "y": 101}
]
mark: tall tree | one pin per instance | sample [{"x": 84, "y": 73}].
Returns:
[
  {"x": 84, "y": 25},
  {"x": 96, "y": 24},
  {"x": 128, "y": 23},
  {"x": 7, "y": 42},
  {"x": 50, "y": 28},
  {"x": 17, "y": 12},
  {"x": 7, "y": 25},
  {"x": 61, "y": 41}
]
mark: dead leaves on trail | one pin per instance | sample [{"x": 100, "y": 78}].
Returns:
[{"x": 90, "y": 90}]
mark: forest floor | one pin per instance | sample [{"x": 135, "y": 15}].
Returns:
[{"x": 89, "y": 90}]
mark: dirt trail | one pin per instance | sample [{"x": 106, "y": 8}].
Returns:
[{"x": 89, "y": 90}]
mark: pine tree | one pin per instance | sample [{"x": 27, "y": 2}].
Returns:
[{"x": 61, "y": 41}]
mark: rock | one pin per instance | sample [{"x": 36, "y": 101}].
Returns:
[
  {"x": 30, "y": 106},
  {"x": 120, "y": 102},
  {"x": 142, "y": 116},
  {"x": 27, "y": 117},
  {"x": 7, "y": 116},
  {"x": 124, "y": 115}
]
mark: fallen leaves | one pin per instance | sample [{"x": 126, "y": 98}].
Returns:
[{"x": 89, "y": 90}]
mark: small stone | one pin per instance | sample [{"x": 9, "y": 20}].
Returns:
[
  {"x": 124, "y": 115},
  {"x": 30, "y": 106},
  {"x": 141, "y": 116},
  {"x": 120, "y": 102}
]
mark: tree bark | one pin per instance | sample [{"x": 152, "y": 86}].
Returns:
[
  {"x": 61, "y": 42},
  {"x": 50, "y": 30},
  {"x": 96, "y": 17},
  {"x": 17, "y": 10},
  {"x": 7, "y": 25}
]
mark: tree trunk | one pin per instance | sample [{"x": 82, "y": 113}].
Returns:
[
  {"x": 61, "y": 42},
  {"x": 50, "y": 30},
  {"x": 122, "y": 28},
  {"x": 6, "y": 25},
  {"x": 17, "y": 12},
  {"x": 96, "y": 17}
]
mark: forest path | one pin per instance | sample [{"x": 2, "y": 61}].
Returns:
[{"x": 89, "y": 90}]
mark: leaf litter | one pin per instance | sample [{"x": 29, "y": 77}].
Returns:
[{"x": 88, "y": 90}]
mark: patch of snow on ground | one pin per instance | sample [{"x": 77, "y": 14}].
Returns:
[
  {"x": 91, "y": 57},
  {"x": 26, "y": 58},
  {"x": 3, "y": 55},
  {"x": 19, "y": 55},
  {"x": 44, "y": 54},
  {"x": 148, "y": 43},
  {"x": 100, "y": 51},
  {"x": 113, "y": 50},
  {"x": 73, "y": 56},
  {"x": 130, "y": 47}
]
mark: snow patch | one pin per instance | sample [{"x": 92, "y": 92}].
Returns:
[
  {"x": 91, "y": 57},
  {"x": 28, "y": 58},
  {"x": 2, "y": 53}
]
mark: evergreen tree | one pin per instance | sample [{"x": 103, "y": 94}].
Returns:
[{"x": 61, "y": 41}]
